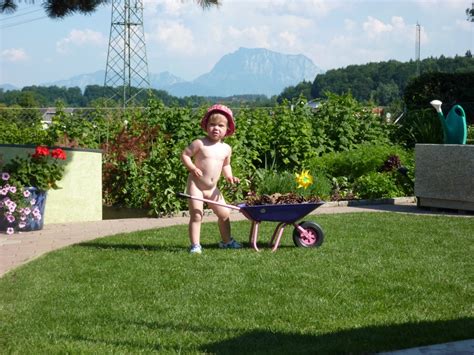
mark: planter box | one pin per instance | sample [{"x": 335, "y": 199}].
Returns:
[
  {"x": 80, "y": 196},
  {"x": 444, "y": 176}
]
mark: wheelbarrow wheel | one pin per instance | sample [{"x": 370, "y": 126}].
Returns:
[{"x": 312, "y": 239}]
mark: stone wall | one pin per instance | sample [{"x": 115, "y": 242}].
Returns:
[{"x": 444, "y": 176}]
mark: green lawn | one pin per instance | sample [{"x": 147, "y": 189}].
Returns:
[{"x": 380, "y": 281}]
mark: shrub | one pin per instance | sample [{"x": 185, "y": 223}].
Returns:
[
  {"x": 341, "y": 123},
  {"x": 358, "y": 161},
  {"x": 359, "y": 168},
  {"x": 377, "y": 185},
  {"x": 419, "y": 126}
]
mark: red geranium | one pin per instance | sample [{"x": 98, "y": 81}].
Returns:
[
  {"x": 58, "y": 153},
  {"x": 42, "y": 169},
  {"x": 40, "y": 151}
]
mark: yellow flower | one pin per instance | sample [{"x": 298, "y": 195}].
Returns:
[{"x": 304, "y": 179}]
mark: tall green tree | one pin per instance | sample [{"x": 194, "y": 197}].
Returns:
[
  {"x": 62, "y": 8},
  {"x": 470, "y": 13}
]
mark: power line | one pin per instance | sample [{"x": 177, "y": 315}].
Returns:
[
  {"x": 19, "y": 15},
  {"x": 22, "y": 23}
]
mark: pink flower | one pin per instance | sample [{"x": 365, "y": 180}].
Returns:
[
  {"x": 10, "y": 230},
  {"x": 11, "y": 218},
  {"x": 11, "y": 206},
  {"x": 21, "y": 225},
  {"x": 26, "y": 193},
  {"x": 13, "y": 189},
  {"x": 5, "y": 176}
]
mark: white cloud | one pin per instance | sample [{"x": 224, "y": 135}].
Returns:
[
  {"x": 374, "y": 27},
  {"x": 174, "y": 36},
  {"x": 290, "y": 39},
  {"x": 80, "y": 38},
  {"x": 257, "y": 36},
  {"x": 302, "y": 8},
  {"x": 350, "y": 25},
  {"x": 464, "y": 25},
  {"x": 14, "y": 55}
]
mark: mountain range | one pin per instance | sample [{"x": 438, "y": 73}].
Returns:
[{"x": 246, "y": 71}]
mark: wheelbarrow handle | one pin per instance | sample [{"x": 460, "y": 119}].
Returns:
[{"x": 183, "y": 195}]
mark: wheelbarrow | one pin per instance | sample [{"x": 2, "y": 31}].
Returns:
[{"x": 306, "y": 234}]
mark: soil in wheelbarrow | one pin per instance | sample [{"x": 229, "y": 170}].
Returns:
[{"x": 279, "y": 199}]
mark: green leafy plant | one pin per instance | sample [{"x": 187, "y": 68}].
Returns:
[
  {"x": 419, "y": 126},
  {"x": 377, "y": 185},
  {"x": 304, "y": 184},
  {"x": 42, "y": 169}
]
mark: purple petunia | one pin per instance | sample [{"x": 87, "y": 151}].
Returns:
[
  {"x": 10, "y": 230},
  {"x": 5, "y": 176}
]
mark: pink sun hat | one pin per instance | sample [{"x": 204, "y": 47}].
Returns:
[{"x": 224, "y": 110}]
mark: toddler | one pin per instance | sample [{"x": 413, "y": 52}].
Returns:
[{"x": 206, "y": 159}]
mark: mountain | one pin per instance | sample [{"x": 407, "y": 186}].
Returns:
[
  {"x": 245, "y": 71},
  {"x": 164, "y": 80},
  {"x": 157, "y": 81},
  {"x": 250, "y": 71},
  {"x": 81, "y": 80}
]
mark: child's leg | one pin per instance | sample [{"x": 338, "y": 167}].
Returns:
[
  {"x": 223, "y": 219},
  {"x": 195, "y": 215}
]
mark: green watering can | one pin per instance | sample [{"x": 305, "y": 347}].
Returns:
[{"x": 454, "y": 125}]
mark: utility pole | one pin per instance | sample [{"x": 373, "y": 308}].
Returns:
[
  {"x": 127, "y": 67},
  {"x": 417, "y": 49}
]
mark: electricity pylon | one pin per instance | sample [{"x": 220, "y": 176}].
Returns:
[{"x": 127, "y": 67}]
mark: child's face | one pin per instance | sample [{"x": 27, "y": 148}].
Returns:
[{"x": 216, "y": 127}]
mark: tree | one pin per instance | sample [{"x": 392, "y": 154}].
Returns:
[
  {"x": 470, "y": 13},
  {"x": 293, "y": 92},
  {"x": 61, "y": 8}
]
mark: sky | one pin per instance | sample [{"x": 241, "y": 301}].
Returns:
[{"x": 187, "y": 41}]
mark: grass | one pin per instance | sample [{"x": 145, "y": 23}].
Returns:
[{"x": 379, "y": 282}]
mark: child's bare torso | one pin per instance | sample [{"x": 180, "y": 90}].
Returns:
[{"x": 210, "y": 159}]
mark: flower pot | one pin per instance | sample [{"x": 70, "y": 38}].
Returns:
[
  {"x": 34, "y": 219},
  {"x": 33, "y": 223}
]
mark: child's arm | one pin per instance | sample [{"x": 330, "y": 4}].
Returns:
[
  {"x": 227, "y": 171},
  {"x": 186, "y": 157}
]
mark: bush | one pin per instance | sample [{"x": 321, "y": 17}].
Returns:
[
  {"x": 341, "y": 124},
  {"x": 358, "y": 161},
  {"x": 419, "y": 126},
  {"x": 359, "y": 169},
  {"x": 377, "y": 185}
]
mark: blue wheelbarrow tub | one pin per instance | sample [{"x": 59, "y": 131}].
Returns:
[{"x": 287, "y": 213}]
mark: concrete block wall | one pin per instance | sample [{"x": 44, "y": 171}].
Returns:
[{"x": 444, "y": 176}]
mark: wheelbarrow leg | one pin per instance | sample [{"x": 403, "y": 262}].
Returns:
[
  {"x": 278, "y": 233},
  {"x": 254, "y": 235}
]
